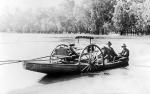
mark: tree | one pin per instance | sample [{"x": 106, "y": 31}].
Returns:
[
  {"x": 102, "y": 13},
  {"x": 121, "y": 16}
]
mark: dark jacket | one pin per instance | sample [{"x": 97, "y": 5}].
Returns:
[
  {"x": 73, "y": 51},
  {"x": 125, "y": 53},
  {"x": 109, "y": 53}
]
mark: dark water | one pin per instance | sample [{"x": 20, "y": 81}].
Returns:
[{"x": 15, "y": 80}]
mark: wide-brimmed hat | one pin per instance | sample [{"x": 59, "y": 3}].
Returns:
[
  {"x": 71, "y": 44},
  {"x": 108, "y": 43},
  {"x": 123, "y": 45}
]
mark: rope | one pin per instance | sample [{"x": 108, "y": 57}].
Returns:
[
  {"x": 18, "y": 61},
  {"x": 10, "y": 62},
  {"x": 40, "y": 58}
]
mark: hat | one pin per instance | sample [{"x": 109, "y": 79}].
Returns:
[
  {"x": 109, "y": 43},
  {"x": 124, "y": 45},
  {"x": 71, "y": 44}
]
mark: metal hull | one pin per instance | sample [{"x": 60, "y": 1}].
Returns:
[{"x": 58, "y": 69}]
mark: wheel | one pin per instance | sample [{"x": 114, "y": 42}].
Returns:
[
  {"x": 53, "y": 58},
  {"x": 90, "y": 57}
]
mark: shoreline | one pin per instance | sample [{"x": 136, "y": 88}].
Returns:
[{"x": 111, "y": 36}]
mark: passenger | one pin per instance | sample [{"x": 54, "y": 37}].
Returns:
[
  {"x": 72, "y": 52},
  {"x": 104, "y": 54},
  {"x": 124, "y": 55},
  {"x": 111, "y": 54}
]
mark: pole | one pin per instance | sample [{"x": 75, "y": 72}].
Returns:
[{"x": 18, "y": 61}]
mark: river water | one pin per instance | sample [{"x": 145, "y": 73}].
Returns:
[{"x": 133, "y": 79}]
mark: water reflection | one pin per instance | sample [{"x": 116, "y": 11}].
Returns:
[{"x": 49, "y": 79}]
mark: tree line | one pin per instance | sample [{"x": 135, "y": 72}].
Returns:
[{"x": 89, "y": 16}]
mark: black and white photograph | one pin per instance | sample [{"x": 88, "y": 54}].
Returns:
[{"x": 74, "y": 46}]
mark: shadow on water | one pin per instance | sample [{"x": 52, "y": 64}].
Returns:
[{"x": 48, "y": 79}]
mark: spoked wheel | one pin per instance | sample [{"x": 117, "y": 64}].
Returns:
[
  {"x": 53, "y": 57},
  {"x": 90, "y": 58}
]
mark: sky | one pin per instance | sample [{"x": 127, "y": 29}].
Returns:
[{"x": 27, "y": 4}]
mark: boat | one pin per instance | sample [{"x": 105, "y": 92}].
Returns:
[
  {"x": 60, "y": 69},
  {"x": 89, "y": 59}
]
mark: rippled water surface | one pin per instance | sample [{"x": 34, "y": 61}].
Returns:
[{"x": 133, "y": 79}]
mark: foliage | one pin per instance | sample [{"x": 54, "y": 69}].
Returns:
[
  {"x": 129, "y": 16},
  {"x": 88, "y": 16}
]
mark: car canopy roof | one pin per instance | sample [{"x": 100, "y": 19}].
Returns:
[{"x": 84, "y": 37}]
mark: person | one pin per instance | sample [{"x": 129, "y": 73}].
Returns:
[
  {"x": 110, "y": 53},
  {"x": 124, "y": 55},
  {"x": 72, "y": 49},
  {"x": 72, "y": 52}
]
